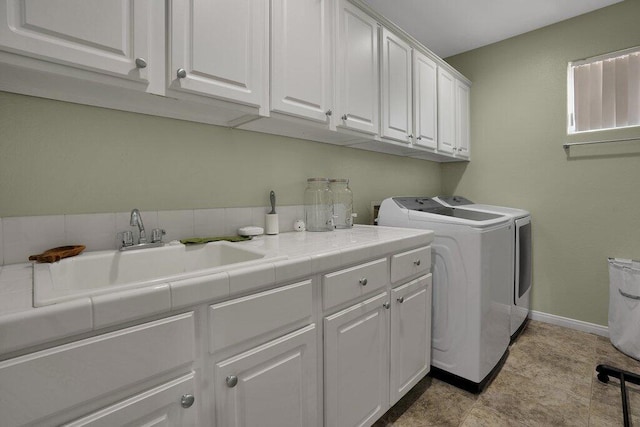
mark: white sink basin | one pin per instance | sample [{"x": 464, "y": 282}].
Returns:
[{"x": 95, "y": 273}]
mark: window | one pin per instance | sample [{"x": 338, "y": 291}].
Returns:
[{"x": 604, "y": 91}]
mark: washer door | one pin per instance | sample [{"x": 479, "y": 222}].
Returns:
[{"x": 523, "y": 262}]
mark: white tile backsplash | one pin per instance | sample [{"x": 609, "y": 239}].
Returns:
[
  {"x": 24, "y": 236},
  {"x": 177, "y": 224},
  {"x": 208, "y": 222},
  {"x": 287, "y": 215},
  {"x": 235, "y": 218},
  {"x": 95, "y": 231},
  {"x": 257, "y": 216}
]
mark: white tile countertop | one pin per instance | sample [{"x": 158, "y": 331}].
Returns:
[{"x": 304, "y": 253}]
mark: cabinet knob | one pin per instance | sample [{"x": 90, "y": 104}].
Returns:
[
  {"x": 141, "y": 63},
  {"x": 328, "y": 112},
  {"x": 344, "y": 117},
  {"x": 419, "y": 138},
  {"x": 231, "y": 381},
  {"x": 182, "y": 73},
  {"x": 364, "y": 281},
  {"x": 410, "y": 136},
  {"x": 417, "y": 262},
  {"x": 386, "y": 305},
  {"x": 401, "y": 300},
  {"x": 187, "y": 400}
]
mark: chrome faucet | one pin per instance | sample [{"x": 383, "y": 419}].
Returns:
[
  {"x": 126, "y": 237},
  {"x": 136, "y": 220}
]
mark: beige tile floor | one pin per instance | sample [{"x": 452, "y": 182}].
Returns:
[{"x": 549, "y": 379}]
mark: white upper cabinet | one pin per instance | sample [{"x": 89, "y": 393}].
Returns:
[
  {"x": 446, "y": 112},
  {"x": 463, "y": 93},
  {"x": 111, "y": 37},
  {"x": 219, "y": 48},
  {"x": 425, "y": 108},
  {"x": 396, "y": 88},
  {"x": 357, "y": 86},
  {"x": 301, "y": 53},
  {"x": 453, "y": 116}
]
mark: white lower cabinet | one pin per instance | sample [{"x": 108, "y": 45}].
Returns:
[
  {"x": 410, "y": 335},
  {"x": 272, "y": 385},
  {"x": 252, "y": 361},
  {"x": 171, "y": 404},
  {"x": 375, "y": 352},
  {"x": 356, "y": 363},
  {"x": 48, "y": 387}
]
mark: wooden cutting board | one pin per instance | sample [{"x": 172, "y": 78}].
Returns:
[{"x": 56, "y": 254}]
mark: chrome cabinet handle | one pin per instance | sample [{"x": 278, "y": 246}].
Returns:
[
  {"x": 344, "y": 117},
  {"x": 386, "y": 305},
  {"x": 400, "y": 300},
  {"x": 410, "y": 136},
  {"x": 364, "y": 281},
  {"x": 182, "y": 73},
  {"x": 141, "y": 63},
  {"x": 417, "y": 262},
  {"x": 328, "y": 112},
  {"x": 419, "y": 138},
  {"x": 187, "y": 400},
  {"x": 231, "y": 381}
]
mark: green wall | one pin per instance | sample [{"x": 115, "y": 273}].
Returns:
[
  {"x": 585, "y": 205},
  {"x": 57, "y": 157},
  {"x": 60, "y": 158}
]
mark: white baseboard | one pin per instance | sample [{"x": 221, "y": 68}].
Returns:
[{"x": 578, "y": 325}]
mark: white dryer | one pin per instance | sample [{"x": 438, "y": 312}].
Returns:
[
  {"x": 520, "y": 254},
  {"x": 471, "y": 283}
]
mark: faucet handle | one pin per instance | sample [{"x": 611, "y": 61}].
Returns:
[
  {"x": 126, "y": 238},
  {"x": 156, "y": 235}
]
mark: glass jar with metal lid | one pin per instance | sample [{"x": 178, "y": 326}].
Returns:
[
  {"x": 318, "y": 205},
  {"x": 342, "y": 203}
]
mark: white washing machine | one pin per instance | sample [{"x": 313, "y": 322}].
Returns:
[
  {"x": 471, "y": 283},
  {"x": 520, "y": 254}
]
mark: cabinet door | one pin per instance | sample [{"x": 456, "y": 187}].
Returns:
[
  {"x": 301, "y": 58},
  {"x": 410, "y": 335},
  {"x": 424, "y": 101},
  {"x": 446, "y": 112},
  {"x": 221, "y": 48},
  {"x": 273, "y": 385},
  {"x": 462, "y": 120},
  {"x": 107, "y": 36},
  {"x": 357, "y": 86},
  {"x": 165, "y": 406},
  {"x": 357, "y": 363},
  {"x": 397, "y": 120}
]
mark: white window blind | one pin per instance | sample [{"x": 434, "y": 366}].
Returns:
[{"x": 604, "y": 91}]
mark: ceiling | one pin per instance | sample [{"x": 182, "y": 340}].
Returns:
[{"x": 449, "y": 27}]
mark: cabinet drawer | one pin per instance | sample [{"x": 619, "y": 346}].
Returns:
[
  {"x": 344, "y": 285},
  {"x": 410, "y": 263},
  {"x": 160, "y": 406},
  {"x": 39, "y": 385},
  {"x": 245, "y": 318}
]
